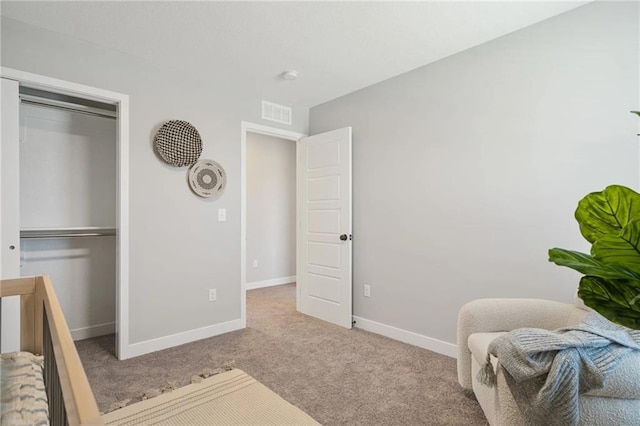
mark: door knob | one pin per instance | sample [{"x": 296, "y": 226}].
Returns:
[{"x": 343, "y": 237}]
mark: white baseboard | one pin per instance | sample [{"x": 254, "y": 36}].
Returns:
[
  {"x": 271, "y": 283},
  {"x": 153, "y": 345},
  {"x": 93, "y": 331},
  {"x": 409, "y": 337}
]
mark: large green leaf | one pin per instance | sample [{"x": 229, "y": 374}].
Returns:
[
  {"x": 589, "y": 265},
  {"x": 607, "y": 212},
  {"x": 616, "y": 300},
  {"x": 622, "y": 249}
]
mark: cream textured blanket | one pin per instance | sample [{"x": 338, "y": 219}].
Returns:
[
  {"x": 22, "y": 394},
  {"x": 547, "y": 370},
  {"x": 231, "y": 398}
]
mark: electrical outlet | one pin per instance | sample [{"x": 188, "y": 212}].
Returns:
[
  {"x": 255, "y": 263},
  {"x": 367, "y": 290},
  {"x": 222, "y": 215},
  {"x": 212, "y": 295}
]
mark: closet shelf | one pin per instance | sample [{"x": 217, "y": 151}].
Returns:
[{"x": 90, "y": 231}]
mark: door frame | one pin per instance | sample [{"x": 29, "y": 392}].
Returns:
[
  {"x": 121, "y": 101},
  {"x": 245, "y": 128}
]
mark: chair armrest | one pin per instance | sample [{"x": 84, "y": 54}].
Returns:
[{"x": 492, "y": 315}]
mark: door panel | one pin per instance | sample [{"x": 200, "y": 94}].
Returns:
[
  {"x": 323, "y": 154},
  {"x": 324, "y": 211},
  {"x": 324, "y": 254},
  {"x": 10, "y": 211},
  {"x": 324, "y": 221},
  {"x": 324, "y": 188},
  {"x": 324, "y": 287}
]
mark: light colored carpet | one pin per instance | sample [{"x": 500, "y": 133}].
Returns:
[
  {"x": 231, "y": 398},
  {"x": 337, "y": 376}
]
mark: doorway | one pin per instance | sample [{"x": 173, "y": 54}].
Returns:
[
  {"x": 324, "y": 281},
  {"x": 255, "y": 139},
  {"x": 271, "y": 211},
  {"x": 69, "y": 106}
]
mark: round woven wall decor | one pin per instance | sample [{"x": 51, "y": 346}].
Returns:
[
  {"x": 178, "y": 143},
  {"x": 207, "y": 178}
]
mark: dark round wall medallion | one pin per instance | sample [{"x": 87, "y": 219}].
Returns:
[
  {"x": 207, "y": 178},
  {"x": 178, "y": 143}
]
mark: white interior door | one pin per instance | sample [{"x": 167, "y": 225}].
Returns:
[
  {"x": 10, "y": 211},
  {"x": 324, "y": 214}
]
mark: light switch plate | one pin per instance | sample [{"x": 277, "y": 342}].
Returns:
[{"x": 222, "y": 215}]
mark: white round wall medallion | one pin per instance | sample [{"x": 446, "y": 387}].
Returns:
[
  {"x": 207, "y": 178},
  {"x": 178, "y": 143}
]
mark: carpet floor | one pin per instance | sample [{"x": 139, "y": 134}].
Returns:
[{"x": 337, "y": 376}]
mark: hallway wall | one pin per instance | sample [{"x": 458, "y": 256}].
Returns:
[{"x": 271, "y": 210}]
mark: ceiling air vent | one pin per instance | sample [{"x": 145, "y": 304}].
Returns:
[{"x": 275, "y": 112}]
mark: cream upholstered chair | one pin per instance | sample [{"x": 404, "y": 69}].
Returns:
[{"x": 481, "y": 321}]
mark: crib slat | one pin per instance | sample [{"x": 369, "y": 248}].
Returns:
[{"x": 28, "y": 323}]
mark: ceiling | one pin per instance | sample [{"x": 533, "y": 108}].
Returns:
[{"x": 338, "y": 47}]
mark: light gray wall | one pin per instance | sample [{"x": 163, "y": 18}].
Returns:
[
  {"x": 178, "y": 249},
  {"x": 271, "y": 207},
  {"x": 468, "y": 170}
]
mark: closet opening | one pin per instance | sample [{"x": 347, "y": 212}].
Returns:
[
  {"x": 68, "y": 205},
  {"x": 64, "y": 185}
]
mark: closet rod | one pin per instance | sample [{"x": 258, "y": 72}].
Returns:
[
  {"x": 67, "y": 106},
  {"x": 67, "y": 233},
  {"x": 41, "y": 237}
]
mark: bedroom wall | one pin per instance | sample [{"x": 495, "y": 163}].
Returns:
[
  {"x": 271, "y": 210},
  {"x": 178, "y": 249},
  {"x": 466, "y": 171}
]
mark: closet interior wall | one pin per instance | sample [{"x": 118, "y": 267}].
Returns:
[{"x": 68, "y": 164}]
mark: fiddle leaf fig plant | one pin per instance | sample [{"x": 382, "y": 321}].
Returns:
[{"x": 610, "y": 221}]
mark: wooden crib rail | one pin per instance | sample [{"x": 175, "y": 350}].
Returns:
[{"x": 71, "y": 400}]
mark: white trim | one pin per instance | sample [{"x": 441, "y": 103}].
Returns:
[
  {"x": 246, "y": 127},
  {"x": 415, "y": 339},
  {"x": 37, "y": 81},
  {"x": 270, "y": 283},
  {"x": 122, "y": 238},
  {"x": 271, "y": 131},
  {"x": 122, "y": 222},
  {"x": 93, "y": 331},
  {"x": 164, "y": 342}
]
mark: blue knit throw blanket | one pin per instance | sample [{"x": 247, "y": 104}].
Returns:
[{"x": 547, "y": 370}]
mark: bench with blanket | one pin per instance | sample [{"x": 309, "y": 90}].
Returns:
[{"x": 586, "y": 373}]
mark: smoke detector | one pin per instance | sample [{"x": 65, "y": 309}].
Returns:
[{"x": 290, "y": 75}]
